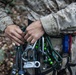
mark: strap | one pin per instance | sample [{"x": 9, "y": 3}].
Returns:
[
  {"x": 61, "y": 72},
  {"x": 54, "y": 72},
  {"x": 69, "y": 69},
  {"x": 70, "y": 43}
]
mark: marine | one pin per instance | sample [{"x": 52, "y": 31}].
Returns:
[{"x": 54, "y": 16}]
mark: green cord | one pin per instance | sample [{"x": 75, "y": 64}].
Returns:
[{"x": 49, "y": 41}]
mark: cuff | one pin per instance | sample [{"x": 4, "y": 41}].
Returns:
[
  {"x": 4, "y": 22},
  {"x": 49, "y": 24}
]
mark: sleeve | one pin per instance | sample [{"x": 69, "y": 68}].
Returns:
[
  {"x": 64, "y": 19},
  {"x": 5, "y": 20}
]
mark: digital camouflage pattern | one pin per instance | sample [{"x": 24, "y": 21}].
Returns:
[
  {"x": 55, "y": 15},
  {"x": 16, "y": 13},
  {"x": 37, "y": 9},
  {"x": 61, "y": 13},
  {"x": 4, "y": 20}
]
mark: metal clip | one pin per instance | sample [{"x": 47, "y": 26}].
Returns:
[{"x": 34, "y": 64}]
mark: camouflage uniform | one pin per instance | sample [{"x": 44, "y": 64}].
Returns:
[
  {"x": 55, "y": 15},
  {"x": 12, "y": 10},
  {"x": 4, "y": 18}
]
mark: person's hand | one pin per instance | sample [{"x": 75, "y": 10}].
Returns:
[
  {"x": 15, "y": 34},
  {"x": 33, "y": 32}
]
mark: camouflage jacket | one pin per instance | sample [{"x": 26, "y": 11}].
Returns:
[
  {"x": 12, "y": 12},
  {"x": 61, "y": 13},
  {"x": 55, "y": 15},
  {"x": 5, "y": 20}
]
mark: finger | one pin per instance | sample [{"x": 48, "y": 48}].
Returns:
[
  {"x": 29, "y": 39},
  {"x": 16, "y": 42},
  {"x": 26, "y": 36},
  {"x": 8, "y": 36},
  {"x": 16, "y": 34},
  {"x": 18, "y": 30},
  {"x": 33, "y": 41},
  {"x": 16, "y": 39}
]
